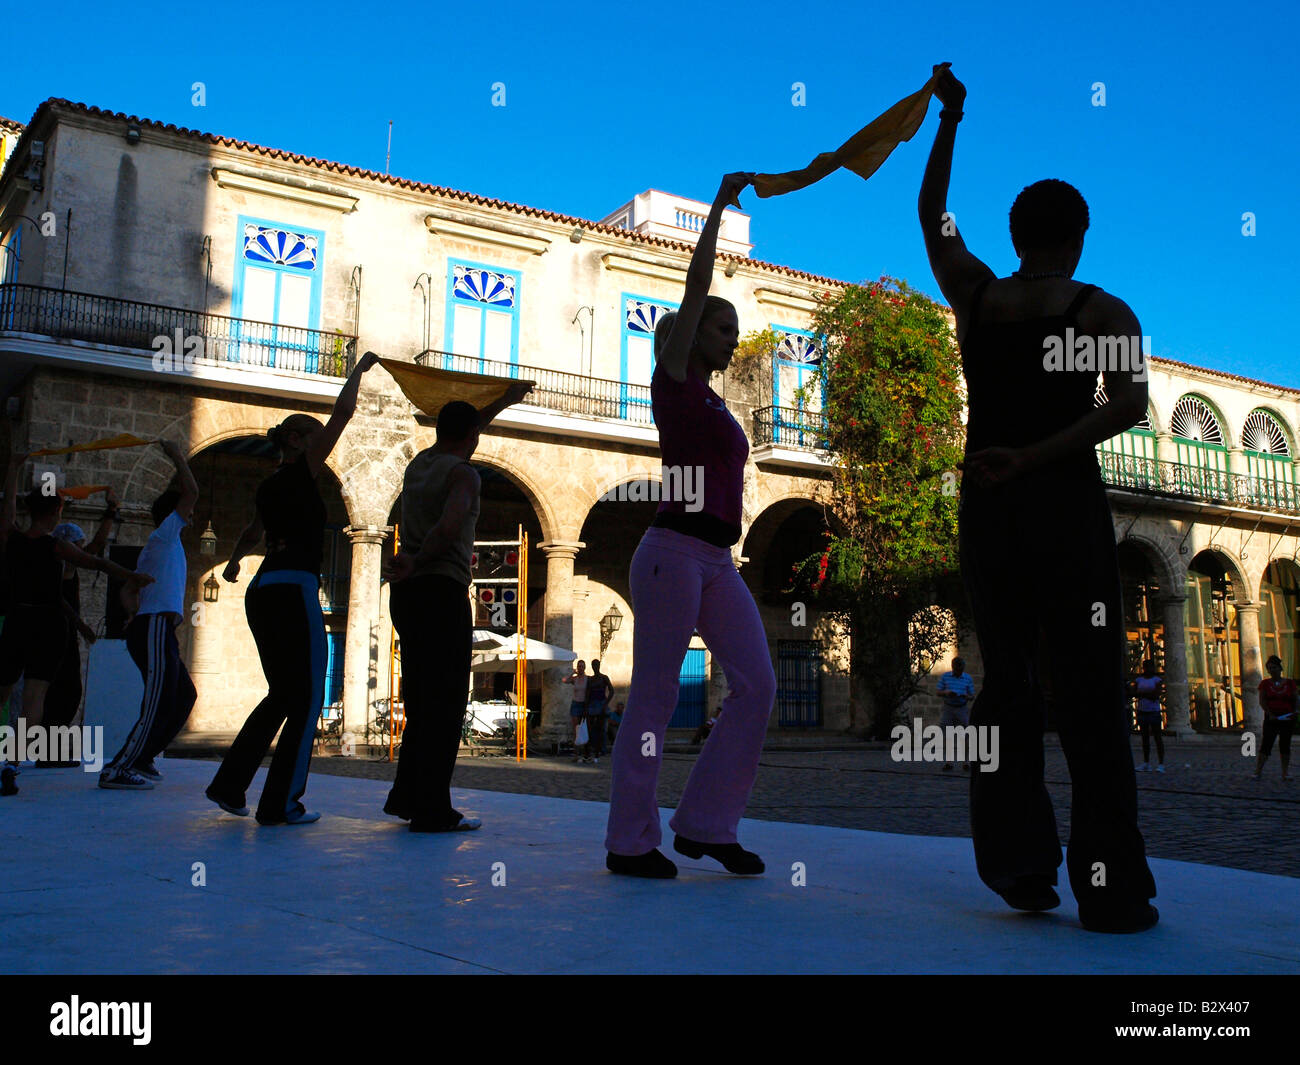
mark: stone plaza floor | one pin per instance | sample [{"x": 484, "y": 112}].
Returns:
[{"x": 107, "y": 882}]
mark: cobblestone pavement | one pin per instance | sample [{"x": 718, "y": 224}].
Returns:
[{"x": 1207, "y": 807}]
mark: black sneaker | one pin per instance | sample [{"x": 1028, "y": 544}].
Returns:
[
  {"x": 124, "y": 780},
  {"x": 148, "y": 770}
]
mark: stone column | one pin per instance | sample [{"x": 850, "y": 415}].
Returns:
[
  {"x": 1251, "y": 667},
  {"x": 363, "y": 656},
  {"x": 1176, "y": 690},
  {"x": 557, "y": 628}
]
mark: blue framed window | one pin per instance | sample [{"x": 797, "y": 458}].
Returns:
[
  {"x": 12, "y": 250},
  {"x": 637, "y": 350},
  {"x": 277, "y": 294},
  {"x": 482, "y": 316},
  {"x": 796, "y": 386}
]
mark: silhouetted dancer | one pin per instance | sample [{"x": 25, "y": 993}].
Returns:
[
  {"x": 64, "y": 697},
  {"x": 284, "y": 614},
  {"x": 35, "y": 634},
  {"x": 429, "y": 603},
  {"x": 151, "y": 635},
  {"x": 1034, "y": 509},
  {"x": 683, "y": 579}
]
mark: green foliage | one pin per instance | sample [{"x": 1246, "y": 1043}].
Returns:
[{"x": 890, "y": 376}]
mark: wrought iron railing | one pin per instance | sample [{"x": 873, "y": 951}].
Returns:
[
  {"x": 1143, "y": 474},
  {"x": 790, "y": 427},
  {"x": 174, "y": 335},
  {"x": 568, "y": 393}
]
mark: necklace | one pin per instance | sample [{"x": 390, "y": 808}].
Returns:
[{"x": 1038, "y": 277}]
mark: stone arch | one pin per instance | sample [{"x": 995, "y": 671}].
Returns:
[
  {"x": 758, "y": 534},
  {"x": 1288, "y": 433},
  {"x": 1282, "y": 562},
  {"x": 493, "y": 452},
  {"x": 1171, "y": 571},
  {"x": 1224, "y": 426},
  {"x": 1242, "y": 586}
]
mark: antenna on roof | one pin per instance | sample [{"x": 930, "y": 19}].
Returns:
[{"x": 388, "y": 156}]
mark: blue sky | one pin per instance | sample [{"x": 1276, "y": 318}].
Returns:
[{"x": 603, "y": 102}]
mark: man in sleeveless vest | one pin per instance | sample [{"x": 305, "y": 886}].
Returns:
[
  {"x": 430, "y": 608},
  {"x": 1034, "y": 515}
]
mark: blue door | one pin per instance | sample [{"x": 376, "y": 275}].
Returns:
[
  {"x": 334, "y": 667},
  {"x": 692, "y": 693}
]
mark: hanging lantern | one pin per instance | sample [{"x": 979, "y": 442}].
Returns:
[
  {"x": 208, "y": 541},
  {"x": 211, "y": 589}
]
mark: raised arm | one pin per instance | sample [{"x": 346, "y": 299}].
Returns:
[
  {"x": 248, "y": 539},
  {"x": 699, "y": 277},
  {"x": 99, "y": 542},
  {"x": 955, "y": 268},
  {"x": 189, "y": 486},
  {"x": 344, "y": 407},
  {"x": 513, "y": 395}
]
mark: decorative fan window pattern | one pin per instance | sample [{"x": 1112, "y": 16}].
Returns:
[
  {"x": 1099, "y": 397},
  {"x": 1264, "y": 434},
  {"x": 483, "y": 286},
  {"x": 1193, "y": 420},
  {"x": 280, "y": 247},
  {"x": 795, "y": 347},
  {"x": 642, "y": 316}
]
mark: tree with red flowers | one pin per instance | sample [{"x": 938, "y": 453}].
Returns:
[{"x": 891, "y": 392}]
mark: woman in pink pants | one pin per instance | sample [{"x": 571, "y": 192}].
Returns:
[{"x": 683, "y": 580}]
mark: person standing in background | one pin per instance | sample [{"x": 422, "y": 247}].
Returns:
[
  {"x": 957, "y": 689},
  {"x": 578, "y": 705},
  {"x": 1279, "y": 699},
  {"x": 1148, "y": 688}
]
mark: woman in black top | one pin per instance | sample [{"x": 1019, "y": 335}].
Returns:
[
  {"x": 1034, "y": 510},
  {"x": 37, "y": 620},
  {"x": 284, "y": 614}
]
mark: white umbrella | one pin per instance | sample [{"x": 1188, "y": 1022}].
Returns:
[
  {"x": 539, "y": 656},
  {"x": 485, "y": 638}
]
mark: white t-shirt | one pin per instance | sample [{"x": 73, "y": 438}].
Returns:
[{"x": 163, "y": 558}]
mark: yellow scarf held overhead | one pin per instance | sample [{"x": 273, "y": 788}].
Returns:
[
  {"x": 865, "y": 150},
  {"x": 429, "y": 388},
  {"x": 121, "y": 440}
]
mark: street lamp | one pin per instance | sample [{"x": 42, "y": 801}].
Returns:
[{"x": 609, "y": 625}]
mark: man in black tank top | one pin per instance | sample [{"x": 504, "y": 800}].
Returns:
[{"x": 1034, "y": 514}]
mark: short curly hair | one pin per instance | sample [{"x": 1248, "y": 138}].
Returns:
[{"x": 1048, "y": 214}]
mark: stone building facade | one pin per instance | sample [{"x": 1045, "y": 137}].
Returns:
[{"x": 283, "y": 268}]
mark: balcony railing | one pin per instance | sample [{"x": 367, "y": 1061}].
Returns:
[
  {"x": 1142, "y": 474},
  {"x": 790, "y": 427},
  {"x": 568, "y": 393},
  {"x": 67, "y": 315}
]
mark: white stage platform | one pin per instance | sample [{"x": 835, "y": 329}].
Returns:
[{"x": 101, "y": 882}]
